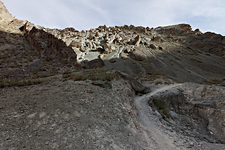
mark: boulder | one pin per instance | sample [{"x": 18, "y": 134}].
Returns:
[
  {"x": 152, "y": 46},
  {"x": 137, "y": 40}
]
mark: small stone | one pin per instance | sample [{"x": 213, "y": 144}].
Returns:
[
  {"x": 42, "y": 114},
  {"x": 58, "y": 131},
  {"x": 191, "y": 144},
  {"x": 77, "y": 114},
  {"x": 31, "y": 115}
]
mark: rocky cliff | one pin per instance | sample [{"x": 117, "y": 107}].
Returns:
[{"x": 121, "y": 87}]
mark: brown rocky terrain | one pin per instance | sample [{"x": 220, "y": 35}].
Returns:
[{"x": 122, "y": 87}]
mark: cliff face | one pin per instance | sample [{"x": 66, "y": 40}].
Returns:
[{"x": 122, "y": 87}]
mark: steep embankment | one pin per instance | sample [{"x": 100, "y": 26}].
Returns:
[{"x": 195, "y": 112}]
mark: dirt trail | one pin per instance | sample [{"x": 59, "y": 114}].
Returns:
[{"x": 149, "y": 120}]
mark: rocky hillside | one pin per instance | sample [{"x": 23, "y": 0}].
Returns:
[{"x": 122, "y": 87}]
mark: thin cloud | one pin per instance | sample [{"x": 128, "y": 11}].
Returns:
[{"x": 208, "y": 15}]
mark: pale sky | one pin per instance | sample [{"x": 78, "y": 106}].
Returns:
[{"x": 207, "y": 15}]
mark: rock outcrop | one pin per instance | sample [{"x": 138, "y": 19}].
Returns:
[
  {"x": 28, "y": 50},
  {"x": 49, "y": 47},
  {"x": 176, "y": 51}
]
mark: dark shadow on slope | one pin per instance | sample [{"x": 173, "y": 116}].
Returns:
[
  {"x": 37, "y": 53},
  {"x": 186, "y": 62},
  {"x": 180, "y": 65}
]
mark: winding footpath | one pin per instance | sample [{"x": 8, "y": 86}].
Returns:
[{"x": 148, "y": 120}]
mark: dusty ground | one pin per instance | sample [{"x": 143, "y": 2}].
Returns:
[
  {"x": 91, "y": 115},
  {"x": 69, "y": 115}
]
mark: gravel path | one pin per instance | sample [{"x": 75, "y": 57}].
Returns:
[{"x": 149, "y": 120}]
